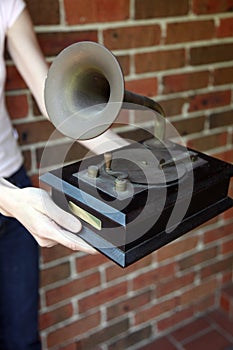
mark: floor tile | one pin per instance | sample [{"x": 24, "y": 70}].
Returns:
[
  {"x": 221, "y": 320},
  {"x": 194, "y": 327},
  {"x": 212, "y": 340},
  {"x": 160, "y": 344}
]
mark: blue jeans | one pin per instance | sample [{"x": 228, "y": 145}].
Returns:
[{"x": 19, "y": 282}]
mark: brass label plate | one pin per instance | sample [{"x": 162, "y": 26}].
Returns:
[{"x": 85, "y": 216}]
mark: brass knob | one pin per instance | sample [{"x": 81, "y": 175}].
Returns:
[
  {"x": 120, "y": 185},
  {"x": 92, "y": 171}
]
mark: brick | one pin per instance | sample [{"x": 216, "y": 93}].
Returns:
[
  {"x": 17, "y": 106},
  {"x": 173, "y": 106},
  {"x": 123, "y": 118},
  {"x": 189, "y": 31},
  {"x": 153, "y": 9},
  {"x": 212, "y": 6},
  {"x": 211, "y": 54},
  {"x": 50, "y": 318},
  {"x": 80, "y": 12},
  {"x": 205, "y": 304},
  {"x": 14, "y": 81},
  {"x": 127, "y": 305},
  {"x": 113, "y": 272},
  {"x": 35, "y": 180},
  {"x": 223, "y": 76},
  {"x": 172, "y": 285},
  {"x": 226, "y": 277},
  {"x": 131, "y": 37},
  {"x": 220, "y": 119},
  {"x": 27, "y": 157},
  {"x": 218, "y": 233},
  {"x": 225, "y": 28},
  {"x": 54, "y": 253},
  {"x": 124, "y": 61},
  {"x": 189, "y": 126},
  {"x": 193, "y": 260},
  {"x": 226, "y": 299},
  {"x": 231, "y": 181},
  {"x": 223, "y": 265},
  {"x": 177, "y": 247},
  {"x": 151, "y": 277},
  {"x": 102, "y": 297},
  {"x": 162, "y": 343},
  {"x": 33, "y": 132},
  {"x": 198, "y": 292},
  {"x": 74, "y": 329},
  {"x": 213, "y": 338},
  {"x": 102, "y": 336},
  {"x": 146, "y": 87},
  {"x": 160, "y": 60},
  {"x": 175, "y": 318},
  {"x": 227, "y": 247},
  {"x": 81, "y": 345},
  {"x": 209, "y": 100},
  {"x": 35, "y": 109},
  {"x": 54, "y": 274},
  {"x": 72, "y": 288},
  {"x": 185, "y": 81},
  {"x": 132, "y": 338},
  {"x": 194, "y": 327},
  {"x": 44, "y": 12},
  {"x": 88, "y": 262},
  {"x": 52, "y": 43},
  {"x": 211, "y": 141},
  {"x": 228, "y": 214},
  {"x": 69, "y": 347},
  {"x": 209, "y": 222},
  {"x": 155, "y": 311}
]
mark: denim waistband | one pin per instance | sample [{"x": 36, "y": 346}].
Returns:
[{"x": 19, "y": 179}]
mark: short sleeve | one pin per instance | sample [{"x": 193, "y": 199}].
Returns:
[{"x": 12, "y": 10}]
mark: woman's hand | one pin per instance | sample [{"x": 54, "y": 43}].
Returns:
[{"x": 48, "y": 223}]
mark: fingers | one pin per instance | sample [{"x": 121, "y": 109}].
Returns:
[
  {"x": 61, "y": 217},
  {"x": 48, "y": 223},
  {"x": 75, "y": 243},
  {"x": 49, "y": 233}
]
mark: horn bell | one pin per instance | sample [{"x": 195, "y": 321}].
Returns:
[{"x": 84, "y": 90}]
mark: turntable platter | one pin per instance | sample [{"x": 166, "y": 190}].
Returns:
[{"x": 143, "y": 167}]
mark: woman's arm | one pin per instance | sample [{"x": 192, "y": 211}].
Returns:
[
  {"x": 31, "y": 206},
  {"x": 27, "y": 56}
]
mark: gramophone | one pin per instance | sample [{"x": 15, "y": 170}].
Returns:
[{"x": 141, "y": 196}]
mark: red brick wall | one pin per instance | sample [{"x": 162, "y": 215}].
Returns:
[{"x": 181, "y": 54}]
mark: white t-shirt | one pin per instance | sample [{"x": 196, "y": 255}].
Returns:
[{"x": 10, "y": 155}]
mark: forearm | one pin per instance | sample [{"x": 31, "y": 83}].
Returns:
[{"x": 28, "y": 57}]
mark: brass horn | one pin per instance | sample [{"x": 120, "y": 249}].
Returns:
[{"x": 84, "y": 92}]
